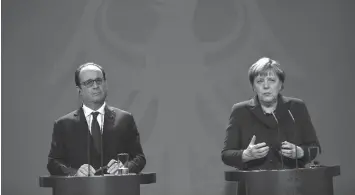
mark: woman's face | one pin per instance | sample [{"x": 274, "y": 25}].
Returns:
[{"x": 267, "y": 86}]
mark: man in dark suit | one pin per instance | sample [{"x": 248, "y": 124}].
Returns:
[{"x": 92, "y": 136}]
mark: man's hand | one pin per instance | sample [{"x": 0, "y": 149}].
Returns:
[
  {"x": 84, "y": 170},
  {"x": 255, "y": 151},
  {"x": 113, "y": 166}
]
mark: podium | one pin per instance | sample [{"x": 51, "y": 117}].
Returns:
[
  {"x": 302, "y": 181},
  {"x": 97, "y": 185}
]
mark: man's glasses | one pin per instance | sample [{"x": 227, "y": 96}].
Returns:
[{"x": 90, "y": 82}]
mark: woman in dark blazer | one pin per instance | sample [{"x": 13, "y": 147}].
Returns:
[{"x": 269, "y": 131}]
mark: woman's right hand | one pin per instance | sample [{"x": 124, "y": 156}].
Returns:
[{"x": 255, "y": 151}]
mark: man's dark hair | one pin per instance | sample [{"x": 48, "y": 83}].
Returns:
[{"x": 77, "y": 72}]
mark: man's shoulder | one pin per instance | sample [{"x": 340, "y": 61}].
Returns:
[
  {"x": 69, "y": 116},
  {"x": 119, "y": 112}
]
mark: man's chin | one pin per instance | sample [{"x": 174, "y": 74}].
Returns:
[{"x": 98, "y": 100}]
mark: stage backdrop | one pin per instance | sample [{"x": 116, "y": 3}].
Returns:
[{"x": 178, "y": 66}]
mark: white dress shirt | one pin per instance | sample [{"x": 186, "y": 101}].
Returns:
[{"x": 100, "y": 117}]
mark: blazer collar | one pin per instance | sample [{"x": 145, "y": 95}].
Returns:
[
  {"x": 110, "y": 115},
  {"x": 88, "y": 111},
  {"x": 109, "y": 112},
  {"x": 79, "y": 114},
  {"x": 281, "y": 110}
]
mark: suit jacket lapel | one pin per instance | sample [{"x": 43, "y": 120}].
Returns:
[
  {"x": 83, "y": 131},
  {"x": 282, "y": 108},
  {"x": 108, "y": 119},
  {"x": 82, "y": 123},
  {"x": 280, "y": 112}
]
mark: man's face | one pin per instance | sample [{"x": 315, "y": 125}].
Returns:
[
  {"x": 267, "y": 86},
  {"x": 93, "y": 87}
]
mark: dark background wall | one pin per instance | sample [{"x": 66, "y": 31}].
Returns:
[{"x": 178, "y": 66}]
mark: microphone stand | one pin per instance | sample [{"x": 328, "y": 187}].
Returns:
[
  {"x": 278, "y": 138},
  {"x": 88, "y": 151},
  {"x": 102, "y": 158},
  {"x": 294, "y": 122},
  {"x": 296, "y": 177},
  {"x": 101, "y": 147}
]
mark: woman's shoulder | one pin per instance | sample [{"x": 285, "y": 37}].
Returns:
[
  {"x": 293, "y": 100},
  {"x": 242, "y": 105}
]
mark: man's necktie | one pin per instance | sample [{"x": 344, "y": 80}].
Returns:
[{"x": 95, "y": 131}]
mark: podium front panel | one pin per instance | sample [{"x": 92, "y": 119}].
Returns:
[
  {"x": 303, "y": 181},
  {"x": 292, "y": 183},
  {"x": 97, "y": 185}
]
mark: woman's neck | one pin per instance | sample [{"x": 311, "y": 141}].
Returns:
[{"x": 268, "y": 107}]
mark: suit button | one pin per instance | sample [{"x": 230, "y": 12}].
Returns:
[{"x": 270, "y": 160}]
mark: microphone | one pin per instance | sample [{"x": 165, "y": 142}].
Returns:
[
  {"x": 294, "y": 122},
  {"x": 278, "y": 138},
  {"x": 291, "y": 116},
  {"x": 101, "y": 168}
]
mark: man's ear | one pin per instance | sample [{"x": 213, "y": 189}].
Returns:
[{"x": 78, "y": 89}]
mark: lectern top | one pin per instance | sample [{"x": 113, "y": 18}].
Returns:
[
  {"x": 51, "y": 181},
  {"x": 238, "y": 175}
]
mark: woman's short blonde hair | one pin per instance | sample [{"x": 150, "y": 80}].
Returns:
[{"x": 262, "y": 66}]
